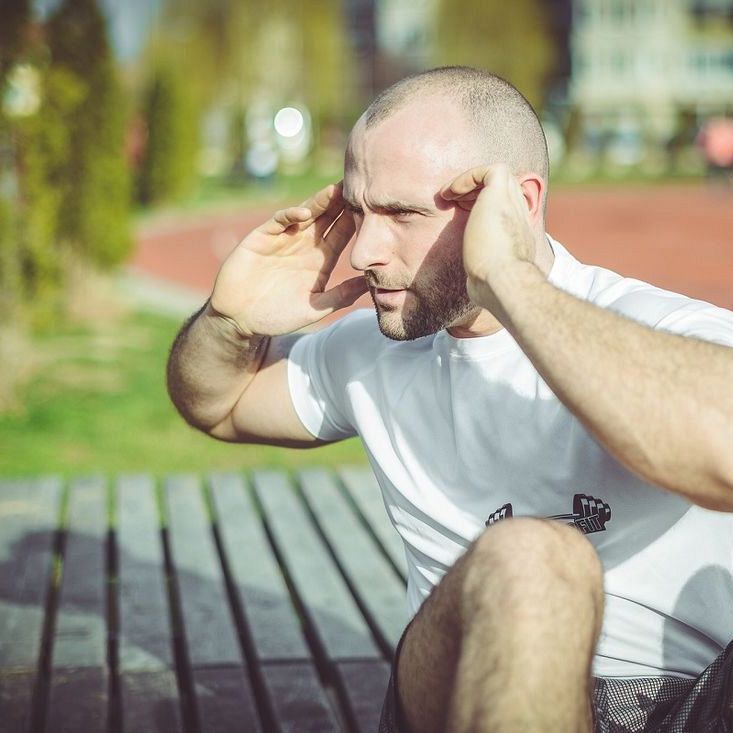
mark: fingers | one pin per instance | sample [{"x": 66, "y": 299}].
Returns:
[
  {"x": 470, "y": 182},
  {"x": 323, "y": 206},
  {"x": 285, "y": 218},
  {"x": 326, "y": 205},
  {"x": 341, "y": 296},
  {"x": 340, "y": 233},
  {"x": 331, "y": 212}
]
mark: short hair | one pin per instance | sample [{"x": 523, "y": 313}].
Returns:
[{"x": 507, "y": 127}]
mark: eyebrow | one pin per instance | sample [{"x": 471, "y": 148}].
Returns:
[{"x": 390, "y": 207}]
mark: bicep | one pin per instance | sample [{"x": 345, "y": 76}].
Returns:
[{"x": 264, "y": 413}]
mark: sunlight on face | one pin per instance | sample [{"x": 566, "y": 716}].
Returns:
[{"x": 408, "y": 240}]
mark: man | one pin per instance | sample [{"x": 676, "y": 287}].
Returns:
[{"x": 585, "y": 418}]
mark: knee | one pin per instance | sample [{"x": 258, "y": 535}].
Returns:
[{"x": 524, "y": 558}]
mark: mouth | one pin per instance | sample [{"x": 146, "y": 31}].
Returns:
[{"x": 388, "y": 297}]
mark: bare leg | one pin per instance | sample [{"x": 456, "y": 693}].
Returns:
[{"x": 505, "y": 641}]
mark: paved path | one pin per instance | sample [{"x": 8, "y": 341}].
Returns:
[{"x": 678, "y": 237}]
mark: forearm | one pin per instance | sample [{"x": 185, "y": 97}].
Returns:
[
  {"x": 661, "y": 403},
  {"x": 210, "y": 365}
]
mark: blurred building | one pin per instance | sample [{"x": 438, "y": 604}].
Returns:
[{"x": 642, "y": 70}]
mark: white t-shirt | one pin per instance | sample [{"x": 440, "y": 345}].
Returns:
[{"x": 461, "y": 432}]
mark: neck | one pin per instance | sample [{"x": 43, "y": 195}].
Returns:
[{"x": 481, "y": 322}]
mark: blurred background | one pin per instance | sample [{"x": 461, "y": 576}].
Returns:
[{"x": 141, "y": 139}]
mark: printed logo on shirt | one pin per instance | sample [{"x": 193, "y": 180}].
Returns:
[
  {"x": 589, "y": 514},
  {"x": 502, "y": 513}
]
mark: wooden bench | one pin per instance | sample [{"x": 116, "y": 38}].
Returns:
[{"x": 259, "y": 602}]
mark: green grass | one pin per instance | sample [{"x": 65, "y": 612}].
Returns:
[{"x": 99, "y": 404}]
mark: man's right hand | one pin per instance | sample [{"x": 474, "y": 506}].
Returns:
[{"x": 274, "y": 281}]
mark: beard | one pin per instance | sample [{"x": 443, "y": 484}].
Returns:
[{"x": 432, "y": 304}]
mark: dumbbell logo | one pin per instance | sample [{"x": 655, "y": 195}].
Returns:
[
  {"x": 589, "y": 514},
  {"x": 504, "y": 512}
]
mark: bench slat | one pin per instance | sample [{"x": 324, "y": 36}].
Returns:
[
  {"x": 364, "y": 490},
  {"x": 299, "y": 702},
  {"x": 339, "y": 627},
  {"x": 29, "y": 513},
  {"x": 79, "y": 681},
  {"x": 145, "y": 634},
  {"x": 373, "y": 579},
  {"x": 224, "y": 703},
  {"x": 260, "y": 586},
  {"x": 210, "y": 635},
  {"x": 224, "y": 699},
  {"x": 150, "y": 702},
  {"x": 297, "y": 699},
  {"x": 148, "y": 687},
  {"x": 364, "y": 685}
]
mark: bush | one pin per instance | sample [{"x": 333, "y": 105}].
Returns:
[
  {"x": 168, "y": 168},
  {"x": 95, "y": 205}
]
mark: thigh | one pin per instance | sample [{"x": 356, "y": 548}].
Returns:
[{"x": 425, "y": 665}]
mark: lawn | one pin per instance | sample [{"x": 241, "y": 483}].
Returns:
[{"x": 99, "y": 404}]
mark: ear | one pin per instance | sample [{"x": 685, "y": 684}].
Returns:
[{"x": 533, "y": 190}]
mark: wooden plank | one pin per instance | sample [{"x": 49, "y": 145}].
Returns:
[
  {"x": 338, "y": 626},
  {"x": 296, "y": 699},
  {"x": 150, "y": 702},
  {"x": 372, "y": 577},
  {"x": 260, "y": 586},
  {"x": 363, "y": 489},
  {"x": 148, "y": 686},
  {"x": 224, "y": 700},
  {"x": 363, "y": 685},
  {"x": 78, "y": 700},
  {"x": 79, "y": 682},
  {"x": 29, "y": 512},
  {"x": 16, "y": 696}
]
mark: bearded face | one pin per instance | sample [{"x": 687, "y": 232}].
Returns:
[{"x": 435, "y": 298}]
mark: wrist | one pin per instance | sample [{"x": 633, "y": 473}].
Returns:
[
  {"x": 505, "y": 288},
  {"x": 227, "y": 327},
  {"x": 510, "y": 282}
]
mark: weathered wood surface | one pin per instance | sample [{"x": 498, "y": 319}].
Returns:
[
  {"x": 265, "y": 602},
  {"x": 29, "y": 518}
]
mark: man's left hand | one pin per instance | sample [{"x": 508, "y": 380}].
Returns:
[{"x": 498, "y": 242}]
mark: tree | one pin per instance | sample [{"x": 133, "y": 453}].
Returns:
[
  {"x": 328, "y": 69},
  {"x": 511, "y": 40},
  {"x": 169, "y": 163},
  {"x": 94, "y": 181},
  {"x": 15, "y": 16},
  {"x": 284, "y": 50},
  {"x": 44, "y": 143}
]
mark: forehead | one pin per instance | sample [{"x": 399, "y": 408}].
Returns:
[{"x": 410, "y": 155}]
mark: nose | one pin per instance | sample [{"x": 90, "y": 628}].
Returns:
[{"x": 373, "y": 245}]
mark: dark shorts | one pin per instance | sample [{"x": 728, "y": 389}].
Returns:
[{"x": 638, "y": 705}]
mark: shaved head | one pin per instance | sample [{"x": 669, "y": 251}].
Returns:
[{"x": 506, "y": 127}]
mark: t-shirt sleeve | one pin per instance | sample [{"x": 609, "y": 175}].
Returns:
[
  {"x": 667, "y": 311},
  {"x": 318, "y": 374},
  {"x": 702, "y": 321}
]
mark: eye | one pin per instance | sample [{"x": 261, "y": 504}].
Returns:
[
  {"x": 355, "y": 210},
  {"x": 404, "y": 216}
]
